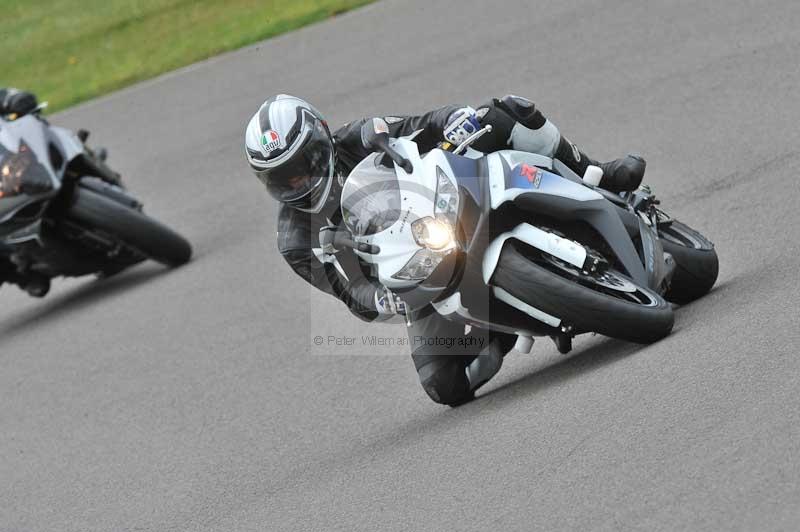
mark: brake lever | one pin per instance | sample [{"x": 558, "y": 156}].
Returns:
[{"x": 472, "y": 138}]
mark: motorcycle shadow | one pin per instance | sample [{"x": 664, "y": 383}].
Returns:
[
  {"x": 602, "y": 353},
  {"x": 55, "y": 306},
  {"x": 534, "y": 379},
  {"x": 559, "y": 370}
]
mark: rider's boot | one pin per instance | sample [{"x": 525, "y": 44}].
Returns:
[{"x": 618, "y": 175}]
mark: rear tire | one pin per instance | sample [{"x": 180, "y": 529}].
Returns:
[
  {"x": 696, "y": 262},
  {"x": 580, "y": 306},
  {"x": 132, "y": 227}
]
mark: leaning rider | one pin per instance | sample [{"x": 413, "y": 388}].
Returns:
[{"x": 291, "y": 150}]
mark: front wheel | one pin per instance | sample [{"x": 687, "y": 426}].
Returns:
[
  {"x": 133, "y": 228},
  {"x": 607, "y": 303},
  {"x": 696, "y": 262}
]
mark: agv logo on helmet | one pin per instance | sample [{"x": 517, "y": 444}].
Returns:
[{"x": 270, "y": 141}]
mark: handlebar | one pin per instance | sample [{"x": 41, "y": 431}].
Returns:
[{"x": 472, "y": 138}]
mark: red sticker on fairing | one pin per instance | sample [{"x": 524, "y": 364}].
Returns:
[{"x": 532, "y": 174}]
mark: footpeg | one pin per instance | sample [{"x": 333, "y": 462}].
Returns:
[{"x": 563, "y": 342}]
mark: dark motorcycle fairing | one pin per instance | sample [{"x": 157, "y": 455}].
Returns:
[
  {"x": 26, "y": 138},
  {"x": 35, "y": 230}
]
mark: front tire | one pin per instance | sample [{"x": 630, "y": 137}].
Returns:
[
  {"x": 132, "y": 227},
  {"x": 585, "y": 308},
  {"x": 696, "y": 262}
]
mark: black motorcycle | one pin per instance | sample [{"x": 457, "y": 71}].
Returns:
[{"x": 64, "y": 212}]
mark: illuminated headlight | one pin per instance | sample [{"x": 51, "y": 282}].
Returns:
[
  {"x": 436, "y": 237},
  {"x": 10, "y": 182},
  {"x": 436, "y": 234},
  {"x": 433, "y": 233}
]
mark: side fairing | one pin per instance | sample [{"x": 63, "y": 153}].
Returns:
[
  {"x": 512, "y": 173},
  {"x": 519, "y": 177}
]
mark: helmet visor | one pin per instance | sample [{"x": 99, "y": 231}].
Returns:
[{"x": 302, "y": 178}]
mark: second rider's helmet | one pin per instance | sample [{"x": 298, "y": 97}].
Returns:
[{"x": 290, "y": 149}]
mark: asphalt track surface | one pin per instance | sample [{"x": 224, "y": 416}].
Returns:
[{"x": 195, "y": 399}]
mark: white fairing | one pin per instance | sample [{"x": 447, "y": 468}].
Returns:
[
  {"x": 452, "y": 309},
  {"x": 418, "y": 193},
  {"x": 497, "y": 178},
  {"x": 504, "y": 296},
  {"x": 564, "y": 249},
  {"x": 417, "y": 200}
]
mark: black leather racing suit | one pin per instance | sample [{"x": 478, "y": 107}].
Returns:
[{"x": 517, "y": 124}]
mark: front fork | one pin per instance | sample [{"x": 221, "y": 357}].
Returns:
[{"x": 660, "y": 266}]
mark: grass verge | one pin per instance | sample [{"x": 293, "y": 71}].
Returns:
[{"x": 68, "y": 51}]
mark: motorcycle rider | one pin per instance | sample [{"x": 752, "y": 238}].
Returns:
[
  {"x": 292, "y": 151},
  {"x": 14, "y": 104}
]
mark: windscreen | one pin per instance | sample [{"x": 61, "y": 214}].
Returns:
[{"x": 370, "y": 198}]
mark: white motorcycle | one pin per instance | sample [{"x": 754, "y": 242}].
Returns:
[{"x": 517, "y": 242}]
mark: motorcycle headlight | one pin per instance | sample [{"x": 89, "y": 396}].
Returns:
[
  {"x": 21, "y": 173},
  {"x": 436, "y": 234},
  {"x": 433, "y": 233},
  {"x": 421, "y": 265},
  {"x": 10, "y": 181},
  {"x": 436, "y": 237}
]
